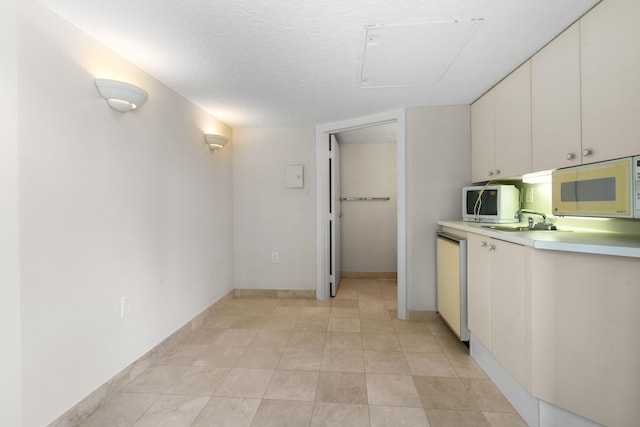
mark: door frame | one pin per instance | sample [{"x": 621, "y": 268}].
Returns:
[
  {"x": 335, "y": 221},
  {"x": 322, "y": 199}
]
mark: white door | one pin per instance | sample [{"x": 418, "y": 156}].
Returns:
[{"x": 334, "y": 215}]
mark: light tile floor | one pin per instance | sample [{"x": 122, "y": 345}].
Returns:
[{"x": 347, "y": 361}]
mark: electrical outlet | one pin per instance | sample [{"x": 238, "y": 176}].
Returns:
[
  {"x": 529, "y": 195},
  {"x": 275, "y": 257},
  {"x": 125, "y": 306}
]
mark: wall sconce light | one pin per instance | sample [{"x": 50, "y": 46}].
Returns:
[
  {"x": 121, "y": 96},
  {"x": 215, "y": 142}
]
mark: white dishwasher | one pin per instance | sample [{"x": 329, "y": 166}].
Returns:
[{"x": 451, "y": 282}]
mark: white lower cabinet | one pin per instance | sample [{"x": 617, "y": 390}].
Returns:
[
  {"x": 499, "y": 304},
  {"x": 586, "y": 351},
  {"x": 562, "y": 325},
  {"x": 509, "y": 307},
  {"x": 479, "y": 288}
]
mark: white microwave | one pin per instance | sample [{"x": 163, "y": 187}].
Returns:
[
  {"x": 606, "y": 189},
  {"x": 496, "y": 204}
]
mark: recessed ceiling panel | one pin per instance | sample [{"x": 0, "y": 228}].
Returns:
[{"x": 414, "y": 54}]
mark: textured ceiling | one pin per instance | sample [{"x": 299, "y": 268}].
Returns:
[{"x": 293, "y": 62}]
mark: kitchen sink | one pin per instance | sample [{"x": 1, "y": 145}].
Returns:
[{"x": 537, "y": 227}]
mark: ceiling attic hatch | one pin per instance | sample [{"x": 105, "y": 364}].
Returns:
[{"x": 414, "y": 54}]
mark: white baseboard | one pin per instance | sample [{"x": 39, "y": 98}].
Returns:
[
  {"x": 521, "y": 400},
  {"x": 535, "y": 412}
]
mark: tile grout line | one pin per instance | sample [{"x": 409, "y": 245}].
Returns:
[{"x": 399, "y": 329}]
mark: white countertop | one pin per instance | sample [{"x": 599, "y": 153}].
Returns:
[{"x": 564, "y": 239}]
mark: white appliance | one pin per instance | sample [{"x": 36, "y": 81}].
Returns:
[
  {"x": 451, "y": 284},
  {"x": 605, "y": 189},
  {"x": 496, "y": 204}
]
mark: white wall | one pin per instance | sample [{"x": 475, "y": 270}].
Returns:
[
  {"x": 268, "y": 217},
  {"x": 10, "y": 364},
  {"x": 111, "y": 205},
  {"x": 369, "y": 228},
  {"x": 439, "y": 165}
]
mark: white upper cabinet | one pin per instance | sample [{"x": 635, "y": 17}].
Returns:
[
  {"x": 513, "y": 123},
  {"x": 610, "y": 55},
  {"x": 555, "y": 103},
  {"x": 483, "y": 138},
  {"x": 501, "y": 129},
  {"x": 576, "y": 101}
]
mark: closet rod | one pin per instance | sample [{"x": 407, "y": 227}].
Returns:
[{"x": 357, "y": 199}]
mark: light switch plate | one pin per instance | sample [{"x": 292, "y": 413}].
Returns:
[{"x": 294, "y": 176}]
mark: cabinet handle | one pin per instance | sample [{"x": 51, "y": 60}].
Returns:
[
  {"x": 490, "y": 173},
  {"x": 484, "y": 244},
  {"x": 497, "y": 171},
  {"x": 492, "y": 247},
  {"x": 570, "y": 156},
  {"x": 587, "y": 152}
]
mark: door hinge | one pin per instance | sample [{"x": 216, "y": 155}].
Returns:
[
  {"x": 331, "y": 154},
  {"x": 332, "y": 217}
]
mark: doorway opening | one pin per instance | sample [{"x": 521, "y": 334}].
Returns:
[
  {"x": 368, "y": 208},
  {"x": 326, "y": 209}
]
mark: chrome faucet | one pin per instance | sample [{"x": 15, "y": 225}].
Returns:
[
  {"x": 521, "y": 211},
  {"x": 539, "y": 226}
]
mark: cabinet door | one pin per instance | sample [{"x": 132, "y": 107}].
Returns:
[
  {"x": 610, "y": 36},
  {"x": 483, "y": 138},
  {"x": 585, "y": 345},
  {"x": 479, "y": 288},
  {"x": 555, "y": 103},
  {"x": 508, "y": 308},
  {"x": 513, "y": 123}
]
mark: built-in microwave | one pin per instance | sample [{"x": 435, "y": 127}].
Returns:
[
  {"x": 496, "y": 204},
  {"x": 606, "y": 189}
]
